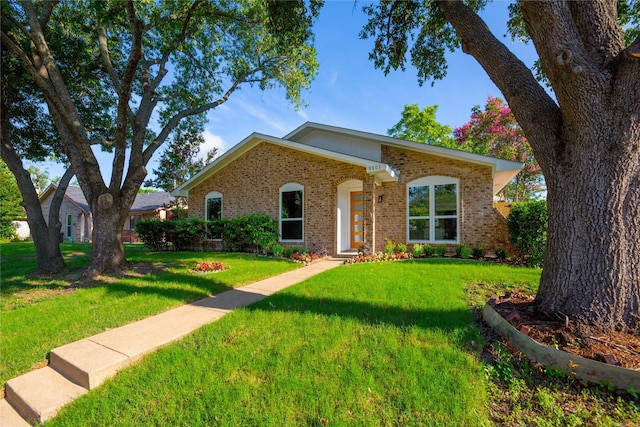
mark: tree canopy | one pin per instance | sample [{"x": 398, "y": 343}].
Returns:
[
  {"x": 155, "y": 64},
  {"x": 10, "y": 207},
  {"x": 584, "y": 137},
  {"x": 421, "y": 126}
]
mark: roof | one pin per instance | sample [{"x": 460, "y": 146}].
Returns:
[
  {"x": 151, "y": 201},
  {"x": 361, "y": 152},
  {"x": 73, "y": 194},
  {"x": 143, "y": 201}
]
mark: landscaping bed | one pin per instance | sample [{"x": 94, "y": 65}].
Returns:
[{"x": 615, "y": 348}]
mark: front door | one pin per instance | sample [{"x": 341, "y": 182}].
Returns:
[{"x": 357, "y": 219}]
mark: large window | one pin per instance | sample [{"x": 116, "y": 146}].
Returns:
[
  {"x": 291, "y": 212},
  {"x": 213, "y": 210},
  {"x": 432, "y": 208}
]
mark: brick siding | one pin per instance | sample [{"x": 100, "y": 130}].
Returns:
[{"x": 251, "y": 184}]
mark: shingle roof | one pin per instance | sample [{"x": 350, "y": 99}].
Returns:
[
  {"x": 151, "y": 201},
  {"x": 75, "y": 194}
]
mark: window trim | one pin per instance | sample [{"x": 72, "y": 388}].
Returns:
[
  {"x": 290, "y": 187},
  {"x": 213, "y": 195},
  {"x": 431, "y": 182}
]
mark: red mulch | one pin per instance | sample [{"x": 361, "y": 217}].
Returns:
[{"x": 615, "y": 348}]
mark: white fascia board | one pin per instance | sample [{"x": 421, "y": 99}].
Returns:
[{"x": 384, "y": 171}]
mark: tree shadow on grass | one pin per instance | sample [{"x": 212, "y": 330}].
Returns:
[{"x": 369, "y": 313}]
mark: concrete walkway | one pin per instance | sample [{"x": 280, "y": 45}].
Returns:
[{"x": 76, "y": 368}]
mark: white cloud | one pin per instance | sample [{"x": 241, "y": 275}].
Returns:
[{"x": 210, "y": 141}]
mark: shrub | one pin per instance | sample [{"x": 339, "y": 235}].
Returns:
[
  {"x": 430, "y": 251},
  {"x": 417, "y": 250},
  {"x": 250, "y": 233},
  {"x": 527, "y": 224},
  {"x": 401, "y": 247},
  {"x": 501, "y": 253},
  {"x": 152, "y": 233},
  {"x": 185, "y": 233},
  {"x": 277, "y": 250},
  {"x": 477, "y": 252},
  {"x": 389, "y": 247},
  {"x": 441, "y": 250}
]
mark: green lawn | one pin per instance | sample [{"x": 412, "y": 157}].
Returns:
[
  {"x": 39, "y": 314},
  {"x": 368, "y": 344}
]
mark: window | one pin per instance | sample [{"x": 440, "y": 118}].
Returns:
[
  {"x": 69, "y": 221},
  {"x": 291, "y": 212},
  {"x": 432, "y": 208},
  {"x": 213, "y": 211}
]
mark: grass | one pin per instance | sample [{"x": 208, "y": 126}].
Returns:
[
  {"x": 370, "y": 344},
  {"x": 375, "y": 344},
  {"x": 39, "y": 314}
]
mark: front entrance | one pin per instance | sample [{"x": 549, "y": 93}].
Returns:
[{"x": 356, "y": 219}]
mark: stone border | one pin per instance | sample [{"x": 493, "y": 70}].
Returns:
[{"x": 571, "y": 364}]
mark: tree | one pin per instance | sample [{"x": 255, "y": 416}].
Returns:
[
  {"x": 495, "y": 132},
  {"x": 10, "y": 199},
  {"x": 39, "y": 177},
  {"x": 160, "y": 63},
  {"x": 421, "y": 126},
  {"x": 586, "y": 140},
  {"x": 180, "y": 161},
  {"x": 27, "y": 133}
]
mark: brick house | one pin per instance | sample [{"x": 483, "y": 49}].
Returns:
[
  {"x": 76, "y": 219},
  {"x": 339, "y": 188}
]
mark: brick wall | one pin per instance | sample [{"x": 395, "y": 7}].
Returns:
[
  {"x": 251, "y": 184},
  {"x": 478, "y": 220}
]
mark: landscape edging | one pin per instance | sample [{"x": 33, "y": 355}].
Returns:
[{"x": 571, "y": 364}]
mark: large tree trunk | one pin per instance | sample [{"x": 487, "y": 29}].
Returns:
[
  {"x": 107, "y": 250},
  {"x": 592, "y": 265},
  {"x": 46, "y": 238},
  {"x": 587, "y": 143}
]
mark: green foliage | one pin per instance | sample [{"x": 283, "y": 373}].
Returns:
[
  {"x": 401, "y": 247},
  {"x": 441, "y": 250},
  {"x": 527, "y": 224},
  {"x": 250, "y": 233},
  {"x": 477, "y": 252},
  {"x": 417, "y": 250},
  {"x": 277, "y": 250},
  {"x": 501, "y": 253},
  {"x": 152, "y": 233},
  {"x": 429, "y": 251},
  {"x": 185, "y": 233},
  {"x": 389, "y": 246},
  {"x": 421, "y": 126},
  {"x": 10, "y": 199},
  {"x": 462, "y": 251},
  {"x": 180, "y": 161}
]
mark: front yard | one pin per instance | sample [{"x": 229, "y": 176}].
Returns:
[{"x": 366, "y": 344}]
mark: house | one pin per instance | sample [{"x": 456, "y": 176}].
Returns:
[
  {"x": 340, "y": 188},
  {"x": 76, "y": 219}
]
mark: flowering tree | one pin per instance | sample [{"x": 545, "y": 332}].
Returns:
[{"x": 495, "y": 132}]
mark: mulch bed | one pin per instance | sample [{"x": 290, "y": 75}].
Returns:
[{"x": 616, "y": 348}]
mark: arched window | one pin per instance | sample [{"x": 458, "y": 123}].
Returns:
[
  {"x": 213, "y": 208},
  {"x": 292, "y": 212},
  {"x": 433, "y": 206}
]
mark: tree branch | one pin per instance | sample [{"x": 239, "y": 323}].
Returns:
[
  {"x": 47, "y": 9},
  {"x": 533, "y": 108}
]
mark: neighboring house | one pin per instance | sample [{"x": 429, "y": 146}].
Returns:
[
  {"x": 75, "y": 214},
  {"x": 339, "y": 188},
  {"x": 76, "y": 219}
]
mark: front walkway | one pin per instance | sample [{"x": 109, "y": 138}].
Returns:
[{"x": 76, "y": 368}]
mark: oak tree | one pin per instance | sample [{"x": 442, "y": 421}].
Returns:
[
  {"x": 160, "y": 62},
  {"x": 586, "y": 138}
]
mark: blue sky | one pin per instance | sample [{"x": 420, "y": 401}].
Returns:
[{"x": 348, "y": 91}]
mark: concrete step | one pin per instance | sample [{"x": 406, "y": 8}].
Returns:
[
  {"x": 38, "y": 395},
  {"x": 9, "y": 417}
]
